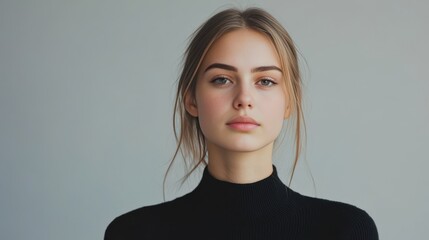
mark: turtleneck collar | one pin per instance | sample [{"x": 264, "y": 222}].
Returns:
[{"x": 260, "y": 198}]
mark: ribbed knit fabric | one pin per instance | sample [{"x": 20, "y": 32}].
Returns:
[{"x": 266, "y": 209}]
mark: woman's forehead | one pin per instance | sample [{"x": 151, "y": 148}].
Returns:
[{"x": 242, "y": 48}]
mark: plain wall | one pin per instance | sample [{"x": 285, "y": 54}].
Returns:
[{"x": 86, "y": 94}]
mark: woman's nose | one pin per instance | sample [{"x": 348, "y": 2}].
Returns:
[{"x": 243, "y": 98}]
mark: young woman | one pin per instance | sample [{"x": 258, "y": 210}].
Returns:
[{"x": 240, "y": 82}]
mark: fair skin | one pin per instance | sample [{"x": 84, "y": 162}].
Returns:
[{"x": 240, "y": 76}]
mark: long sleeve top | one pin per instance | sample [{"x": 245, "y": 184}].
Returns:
[{"x": 266, "y": 209}]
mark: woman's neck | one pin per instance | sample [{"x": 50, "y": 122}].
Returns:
[{"x": 240, "y": 167}]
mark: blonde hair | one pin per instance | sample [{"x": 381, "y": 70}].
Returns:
[{"x": 190, "y": 139}]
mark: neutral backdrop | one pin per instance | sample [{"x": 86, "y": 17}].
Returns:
[{"x": 86, "y": 93}]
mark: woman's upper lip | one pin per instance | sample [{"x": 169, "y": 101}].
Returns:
[{"x": 242, "y": 119}]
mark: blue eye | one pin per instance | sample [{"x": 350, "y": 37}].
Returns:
[
  {"x": 267, "y": 82},
  {"x": 221, "y": 81}
]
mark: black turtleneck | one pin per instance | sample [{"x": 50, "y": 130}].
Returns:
[{"x": 266, "y": 209}]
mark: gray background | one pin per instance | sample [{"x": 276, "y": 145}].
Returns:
[{"x": 86, "y": 92}]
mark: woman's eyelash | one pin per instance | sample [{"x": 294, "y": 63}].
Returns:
[
  {"x": 266, "y": 82},
  {"x": 221, "y": 80}
]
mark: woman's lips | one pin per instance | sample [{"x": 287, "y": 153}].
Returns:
[
  {"x": 243, "y": 126},
  {"x": 243, "y": 123}
]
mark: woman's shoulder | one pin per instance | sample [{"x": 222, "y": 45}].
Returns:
[
  {"x": 129, "y": 223},
  {"x": 346, "y": 220},
  {"x": 144, "y": 221}
]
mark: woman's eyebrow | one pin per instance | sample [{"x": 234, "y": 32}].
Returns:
[
  {"x": 221, "y": 66},
  {"x": 266, "y": 68},
  {"x": 234, "y": 69}
]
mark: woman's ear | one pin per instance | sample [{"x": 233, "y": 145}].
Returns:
[{"x": 191, "y": 105}]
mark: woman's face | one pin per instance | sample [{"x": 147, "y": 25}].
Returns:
[{"x": 240, "y": 98}]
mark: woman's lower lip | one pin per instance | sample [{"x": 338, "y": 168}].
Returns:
[{"x": 243, "y": 126}]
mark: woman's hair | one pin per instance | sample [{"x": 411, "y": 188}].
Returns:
[{"x": 190, "y": 139}]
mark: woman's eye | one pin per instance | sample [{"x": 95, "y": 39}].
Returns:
[
  {"x": 221, "y": 81},
  {"x": 267, "y": 82}
]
